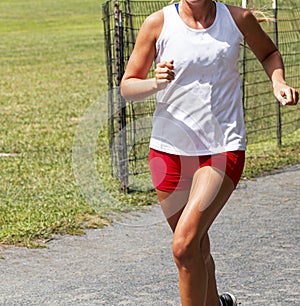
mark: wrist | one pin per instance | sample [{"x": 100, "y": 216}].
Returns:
[
  {"x": 154, "y": 84},
  {"x": 275, "y": 83}
]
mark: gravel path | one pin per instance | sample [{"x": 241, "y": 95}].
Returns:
[{"x": 255, "y": 242}]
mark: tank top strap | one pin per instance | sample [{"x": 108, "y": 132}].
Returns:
[{"x": 177, "y": 7}]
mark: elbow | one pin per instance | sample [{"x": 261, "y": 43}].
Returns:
[
  {"x": 274, "y": 52},
  {"x": 123, "y": 91},
  {"x": 133, "y": 89},
  {"x": 128, "y": 90}
]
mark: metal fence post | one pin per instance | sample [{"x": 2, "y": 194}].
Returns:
[
  {"x": 129, "y": 17},
  {"x": 244, "y": 5},
  {"x": 278, "y": 106},
  {"x": 122, "y": 143},
  {"x": 111, "y": 110}
]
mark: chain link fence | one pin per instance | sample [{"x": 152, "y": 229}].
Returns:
[{"x": 129, "y": 125}]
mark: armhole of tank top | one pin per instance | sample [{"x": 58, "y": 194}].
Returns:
[
  {"x": 162, "y": 30},
  {"x": 232, "y": 20}
]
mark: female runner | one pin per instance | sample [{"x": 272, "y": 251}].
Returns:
[{"x": 197, "y": 146}]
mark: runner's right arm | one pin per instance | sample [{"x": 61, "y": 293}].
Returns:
[{"x": 135, "y": 85}]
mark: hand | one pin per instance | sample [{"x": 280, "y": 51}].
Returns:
[
  {"x": 164, "y": 74},
  {"x": 285, "y": 94}
]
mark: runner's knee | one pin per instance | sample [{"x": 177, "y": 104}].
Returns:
[
  {"x": 185, "y": 251},
  {"x": 188, "y": 248}
]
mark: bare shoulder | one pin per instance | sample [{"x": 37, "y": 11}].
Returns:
[
  {"x": 153, "y": 24},
  {"x": 243, "y": 18},
  {"x": 156, "y": 18},
  {"x": 144, "y": 51},
  {"x": 239, "y": 14}
]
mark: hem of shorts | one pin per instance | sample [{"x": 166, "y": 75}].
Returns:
[{"x": 197, "y": 153}]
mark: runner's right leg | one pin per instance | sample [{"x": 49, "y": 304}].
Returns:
[{"x": 172, "y": 206}]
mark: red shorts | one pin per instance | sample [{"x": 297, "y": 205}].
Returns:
[{"x": 175, "y": 172}]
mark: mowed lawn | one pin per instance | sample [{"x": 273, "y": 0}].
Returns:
[{"x": 52, "y": 69}]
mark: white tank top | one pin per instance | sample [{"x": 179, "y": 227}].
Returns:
[{"x": 201, "y": 111}]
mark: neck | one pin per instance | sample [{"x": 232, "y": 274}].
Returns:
[{"x": 198, "y": 14}]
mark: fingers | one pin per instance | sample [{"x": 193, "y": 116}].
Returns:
[
  {"x": 164, "y": 73},
  {"x": 295, "y": 96},
  {"x": 165, "y": 70},
  {"x": 169, "y": 64},
  {"x": 288, "y": 96}
]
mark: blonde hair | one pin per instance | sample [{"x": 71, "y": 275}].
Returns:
[{"x": 261, "y": 16}]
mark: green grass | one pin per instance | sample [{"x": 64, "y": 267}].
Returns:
[
  {"x": 52, "y": 68},
  {"x": 267, "y": 156}
]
